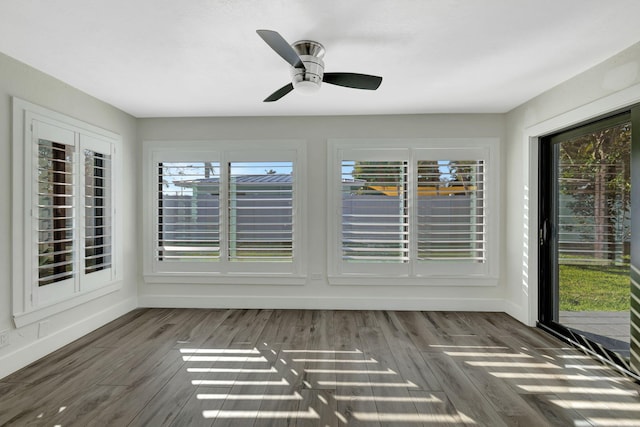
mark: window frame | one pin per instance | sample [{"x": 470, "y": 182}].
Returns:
[
  {"x": 31, "y": 302},
  {"x": 224, "y": 271},
  {"x": 414, "y": 272}
]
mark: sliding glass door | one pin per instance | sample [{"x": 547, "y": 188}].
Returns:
[{"x": 585, "y": 235}]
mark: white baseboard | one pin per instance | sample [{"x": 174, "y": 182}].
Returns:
[
  {"x": 33, "y": 351},
  {"x": 517, "y": 312},
  {"x": 323, "y": 303}
]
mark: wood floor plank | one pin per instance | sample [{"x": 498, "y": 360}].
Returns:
[
  {"x": 283, "y": 393},
  {"x": 466, "y": 398},
  {"x": 168, "y": 402},
  {"x": 353, "y": 394},
  {"x": 447, "y": 323},
  {"x": 435, "y": 409},
  {"x": 199, "y": 410},
  {"x": 408, "y": 362},
  {"x": 391, "y": 393},
  {"x": 58, "y": 363},
  {"x": 81, "y": 411},
  {"x": 197, "y": 367},
  {"x": 321, "y": 407},
  {"x": 134, "y": 398},
  {"x": 251, "y": 377},
  {"x": 509, "y": 405},
  {"x": 320, "y": 352},
  {"x": 419, "y": 330}
]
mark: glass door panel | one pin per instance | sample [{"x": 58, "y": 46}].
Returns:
[
  {"x": 586, "y": 233},
  {"x": 593, "y": 234}
]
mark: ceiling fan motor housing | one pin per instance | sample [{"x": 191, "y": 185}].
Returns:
[{"x": 309, "y": 79}]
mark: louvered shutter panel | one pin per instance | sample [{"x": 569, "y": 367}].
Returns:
[
  {"x": 188, "y": 211},
  {"x": 55, "y": 212},
  {"x": 260, "y": 211},
  {"x": 375, "y": 212},
  {"x": 451, "y": 211},
  {"x": 98, "y": 211}
]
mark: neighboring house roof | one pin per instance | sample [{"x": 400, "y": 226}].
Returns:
[
  {"x": 254, "y": 179},
  {"x": 241, "y": 179}
]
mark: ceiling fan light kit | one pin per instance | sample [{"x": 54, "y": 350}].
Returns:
[
  {"x": 308, "y": 79},
  {"x": 307, "y": 67}
]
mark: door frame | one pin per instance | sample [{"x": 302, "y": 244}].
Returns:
[{"x": 547, "y": 245}]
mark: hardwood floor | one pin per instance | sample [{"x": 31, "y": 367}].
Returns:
[{"x": 191, "y": 367}]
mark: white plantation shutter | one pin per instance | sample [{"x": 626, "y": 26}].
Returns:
[
  {"x": 375, "y": 213},
  {"x": 450, "y": 211},
  {"x": 65, "y": 233},
  {"x": 55, "y": 213},
  {"x": 260, "y": 211},
  {"x": 412, "y": 209},
  {"x": 229, "y": 217},
  {"x": 188, "y": 211},
  {"x": 98, "y": 209}
]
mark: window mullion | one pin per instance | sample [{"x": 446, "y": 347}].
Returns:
[
  {"x": 78, "y": 214},
  {"x": 413, "y": 228},
  {"x": 224, "y": 213}
]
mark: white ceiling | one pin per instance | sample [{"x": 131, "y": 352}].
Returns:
[{"x": 162, "y": 58}]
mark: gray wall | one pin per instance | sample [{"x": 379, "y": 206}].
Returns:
[{"x": 20, "y": 80}]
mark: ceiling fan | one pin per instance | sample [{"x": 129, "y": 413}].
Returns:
[{"x": 307, "y": 67}]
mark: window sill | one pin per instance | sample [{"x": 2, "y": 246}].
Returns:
[
  {"x": 226, "y": 279},
  {"x": 39, "y": 313},
  {"x": 449, "y": 281}
]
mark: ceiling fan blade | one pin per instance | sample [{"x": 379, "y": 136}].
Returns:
[
  {"x": 353, "y": 80},
  {"x": 279, "y": 93},
  {"x": 282, "y": 48}
]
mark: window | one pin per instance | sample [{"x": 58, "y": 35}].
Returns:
[
  {"x": 450, "y": 211},
  {"x": 412, "y": 209},
  {"x": 98, "y": 212},
  {"x": 64, "y": 211},
  {"x": 188, "y": 211},
  {"x": 221, "y": 211},
  {"x": 375, "y": 216},
  {"x": 55, "y": 213},
  {"x": 260, "y": 211}
]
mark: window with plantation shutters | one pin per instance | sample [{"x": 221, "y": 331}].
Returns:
[
  {"x": 98, "y": 211},
  {"x": 188, "y": 211},
  {"x": 375, "y": 213},
  {"x": 224, "y": 212},
  {"x": 412, "y": 209},
  {"x": 65, "y": 229},
  {"x": 56, "y": 189},
  {"x": 260, "y": 211},
  {"x": 450, "y": 211}
]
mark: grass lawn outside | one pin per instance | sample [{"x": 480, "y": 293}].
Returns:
[{"x": 594, "y": 287}]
